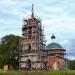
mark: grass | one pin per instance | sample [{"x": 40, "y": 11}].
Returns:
[{"x": 68, "y": 72}]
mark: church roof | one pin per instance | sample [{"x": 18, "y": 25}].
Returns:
[{"x": 54, "y": 45}]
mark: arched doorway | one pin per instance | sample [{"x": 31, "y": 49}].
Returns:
[{"x": 29, "y": 64}]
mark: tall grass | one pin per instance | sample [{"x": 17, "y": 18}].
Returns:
[{"x": 68, "y": 72}]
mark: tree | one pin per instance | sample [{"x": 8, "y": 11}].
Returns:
[
  {"x": 9, "y": 51},
  {"x": 71, "y": 64}
]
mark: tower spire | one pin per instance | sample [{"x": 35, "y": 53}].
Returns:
[{"x": 32, "y": 11}]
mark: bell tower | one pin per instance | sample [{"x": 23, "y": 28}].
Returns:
[
  {"x": 33, "y": 33},
  {"x": 31, "y": 43}
]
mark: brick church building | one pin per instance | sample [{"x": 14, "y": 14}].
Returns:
[{"x": 33, "y": 52}]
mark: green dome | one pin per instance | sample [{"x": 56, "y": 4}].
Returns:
[{"x": 54, "y": 46}]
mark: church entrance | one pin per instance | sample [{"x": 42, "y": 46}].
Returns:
[{"x": 29, "y": 64}]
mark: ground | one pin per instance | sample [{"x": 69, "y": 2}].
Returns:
[{"x": 68, "y": 72}]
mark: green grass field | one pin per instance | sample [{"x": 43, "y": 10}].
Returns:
[{"x": 69, "y": 72}]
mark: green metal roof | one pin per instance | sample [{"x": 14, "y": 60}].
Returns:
[{"x": 54, "y": 45}]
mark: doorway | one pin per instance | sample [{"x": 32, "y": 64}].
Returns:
[{"x": 29, "y": 64}]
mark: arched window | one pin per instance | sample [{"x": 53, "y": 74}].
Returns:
[{"x": 29, "y": 47}]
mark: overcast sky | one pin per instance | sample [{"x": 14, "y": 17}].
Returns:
[{"x": 57, "y": 16}]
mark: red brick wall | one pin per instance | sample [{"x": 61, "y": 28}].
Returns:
[{"x": 52, "y": 60}]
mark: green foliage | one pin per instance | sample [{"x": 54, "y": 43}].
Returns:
[
  {"x": 72, "y": 64},
  {"x": 68, "y": 72},
  {"x": 9, "y": 49}
]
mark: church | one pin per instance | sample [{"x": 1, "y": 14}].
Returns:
[{"x": 33, "y": 52}]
